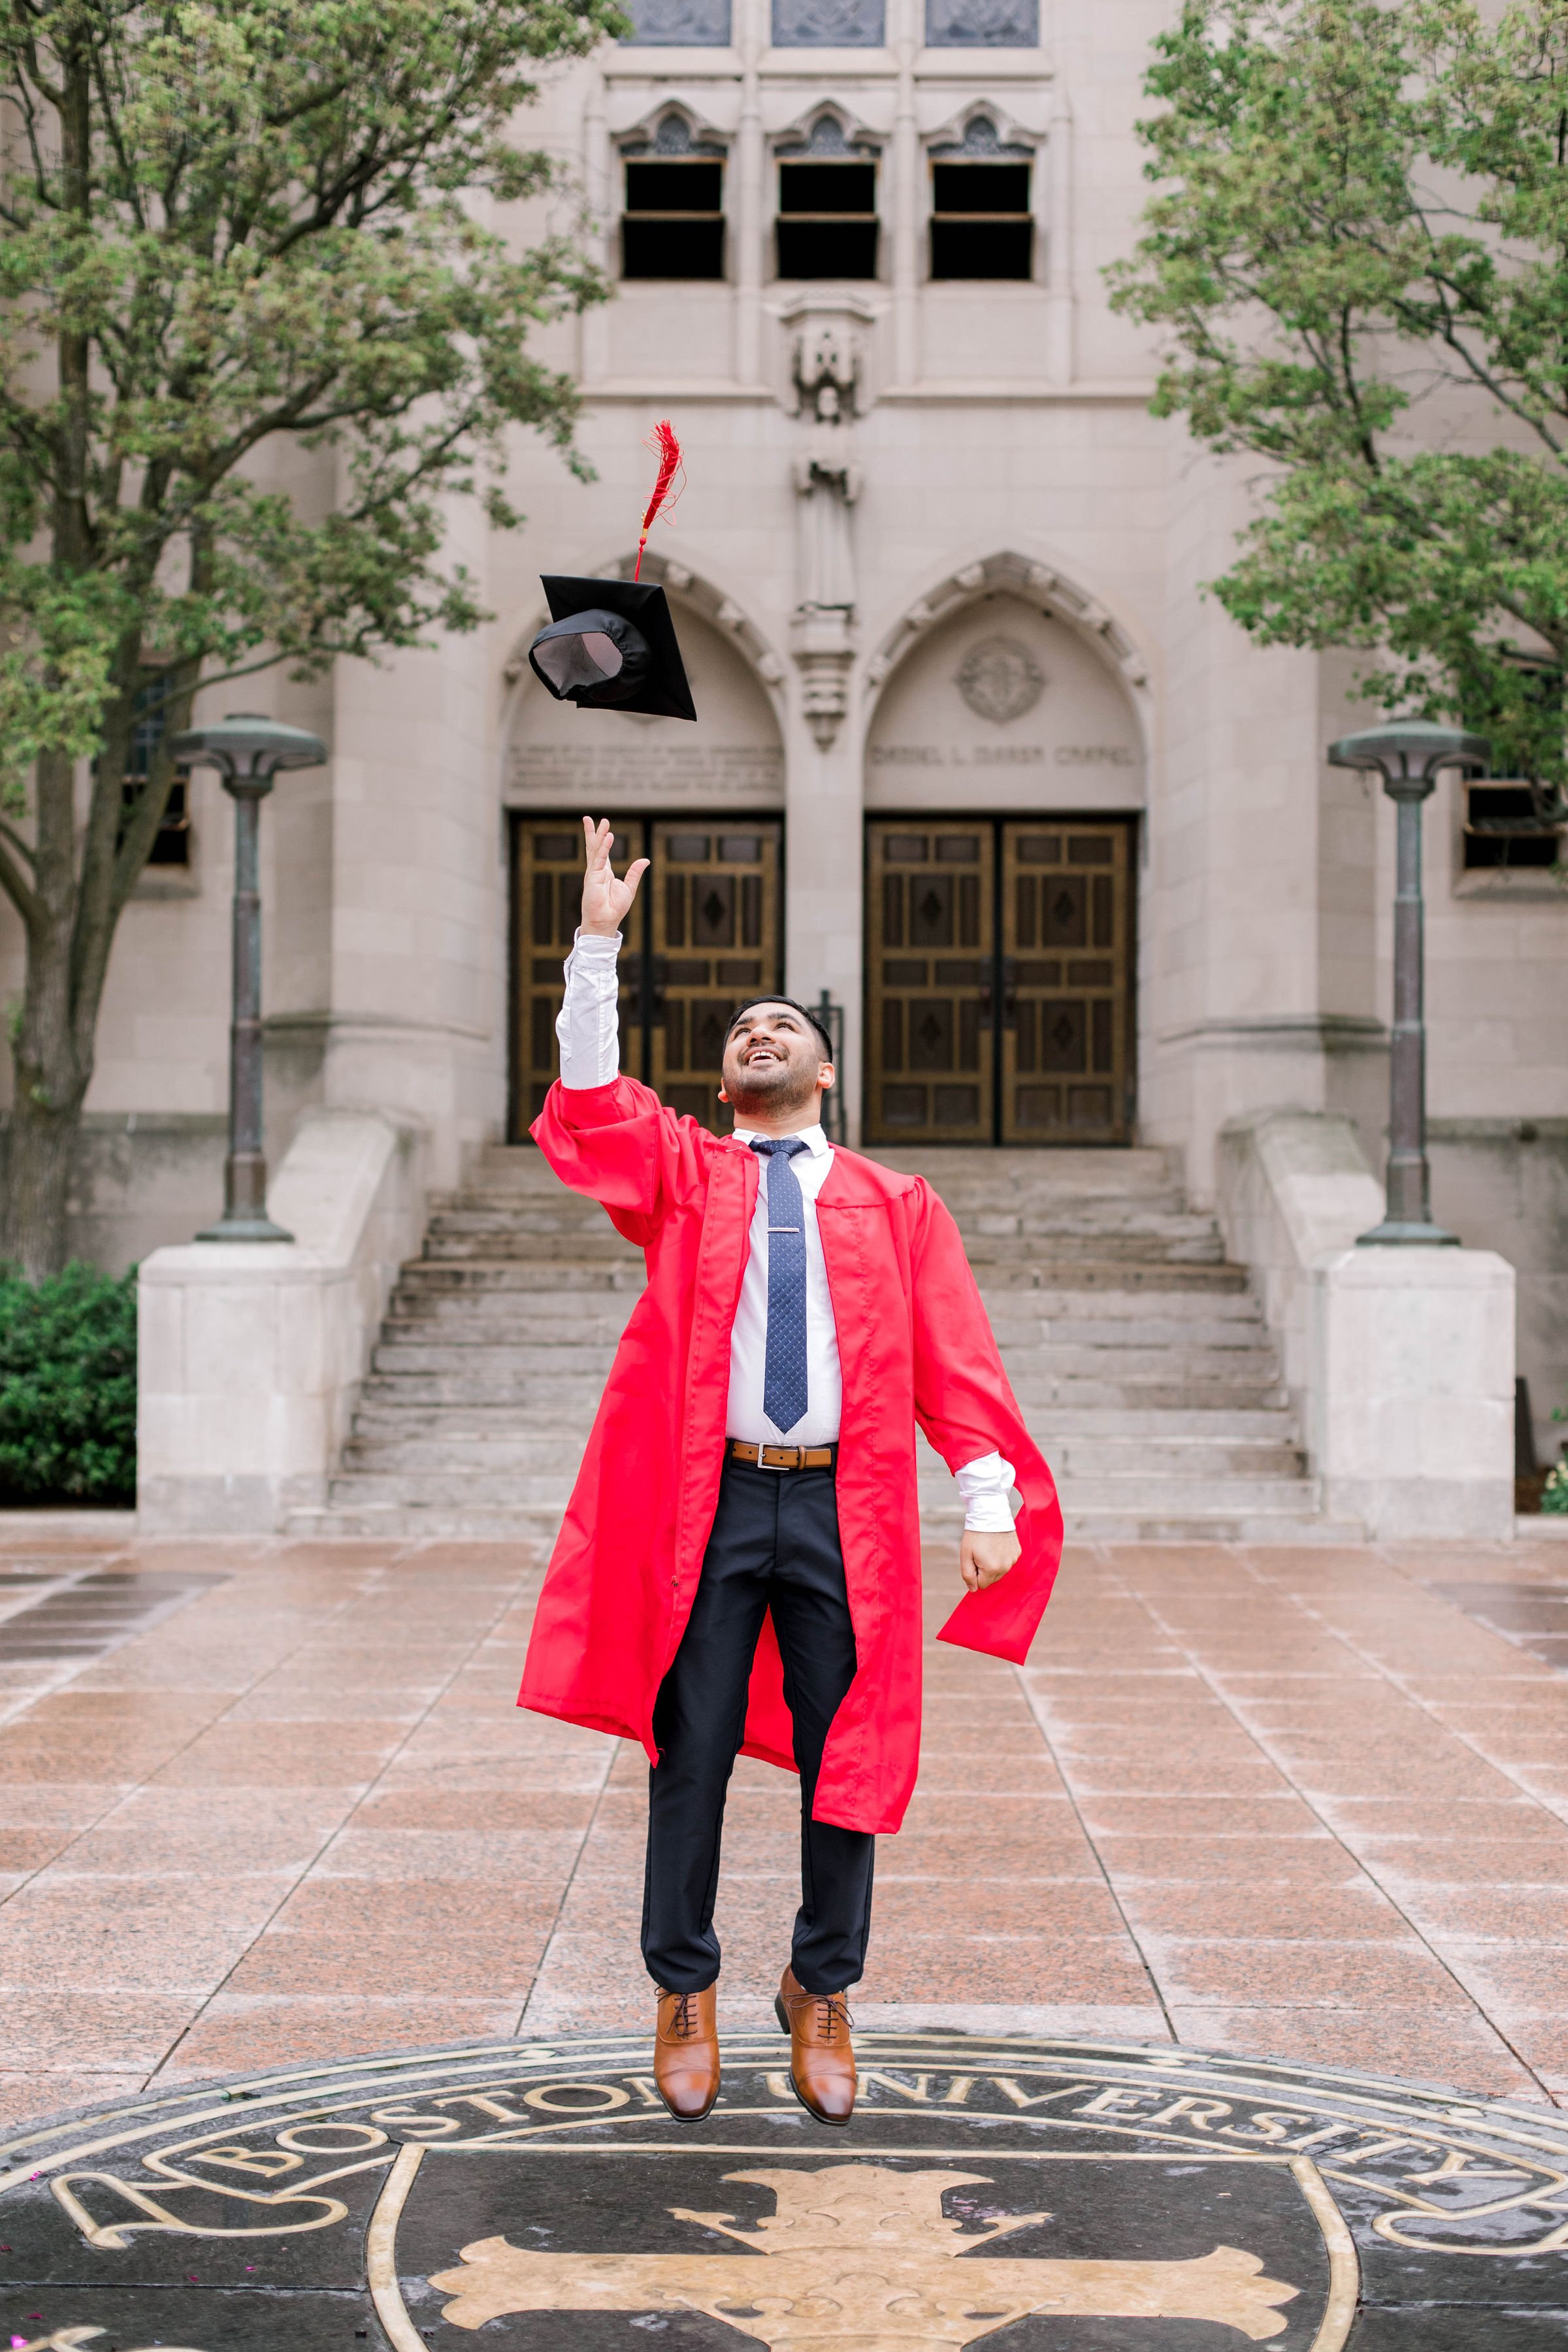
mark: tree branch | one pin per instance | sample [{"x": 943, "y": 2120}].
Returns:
[{"x": 20, "y": 893}]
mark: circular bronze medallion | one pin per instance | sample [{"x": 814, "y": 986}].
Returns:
[{"x": 1031, "y": 2196}]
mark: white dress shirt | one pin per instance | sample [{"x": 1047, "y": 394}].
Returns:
[{"x": 589, "y": 1030}]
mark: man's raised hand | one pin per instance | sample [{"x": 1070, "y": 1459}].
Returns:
[{"x": 606, "y": 901}]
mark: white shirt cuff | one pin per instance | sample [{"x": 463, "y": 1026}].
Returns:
[{"x": 986, "y": 1486}]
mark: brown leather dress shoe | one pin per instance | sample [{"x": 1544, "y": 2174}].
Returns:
[
  {"x": 821, "y": 2054},
  {"x": 686, "y": 2052}
]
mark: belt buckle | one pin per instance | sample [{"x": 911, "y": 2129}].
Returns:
[{"x": 763, "y": 1451}]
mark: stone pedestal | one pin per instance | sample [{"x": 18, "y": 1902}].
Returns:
[
  {"x": 1412, "y": 1395},
  {"x": 250, "y": 1355}
]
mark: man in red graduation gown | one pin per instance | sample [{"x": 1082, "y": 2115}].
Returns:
[{"x": 739, "y": 1569}]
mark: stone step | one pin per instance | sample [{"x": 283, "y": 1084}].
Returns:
[
  {"x": 1230, "y": 1335},
  {"x": 488, "y": 1361},
  {"x": 566, "y": 1278},
  {"x": 1139, "y": 1355},
  {"x": 454, "y": 1440},
  {"x": 512, "y": 1374},
  {"x": 1145, "y": 1454},
  {"x": 1000, "y": 1278},
  {"x": 1181, "y": 1500},
  {"x": 1208, "y": 1518},
  {"x": 582, "y": 1244}
]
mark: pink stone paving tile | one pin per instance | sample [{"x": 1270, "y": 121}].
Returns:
[
  {"x": 498, "y": 1857},
  {"x": 488, "y": 1968},
  {"x": 1309, "y": 1860},
  {"x": 1356, "y": 1911},
  {"x": 1301, "y": 1973},
  {"x": 995, "y": 1906},
  {"x": 1496, "y": 1913},
  {"x": 492, "y": 1813},
  {"x": 262, "y": 1755},
  {"x": 236, "y": 2033},
  {"x": 1412, "y": 2044},
  {"x": 1026, "y": 1970},
  {"x": 390, "y": 1703},
  {"x": 71, "y": 2026},
  {"x": 913, "y": 1855},
  {"x": 505, "y": 1775},
  {"x": 1399, "y": 1863},
  {"x": 1510, "y": 1818},
  {"x": 1005, "y": 1814},
  {"x": 64, "y": 1805},
  {"x": 979, "y": 1776},
  {"x": 77, "y": 1932},
  {"x": 37, "y": 2097},
  {"x": 23, "y": 1850},
  {"x": 1282, "y": 1814},
  {"x": 1512, "y": 1981},
  {"x": 414, "y": 1906},
  {"x": 1123, "y": 1775},
  {"x": 223, "y": 1833},
  {"x": 1541, "y": 2044}
]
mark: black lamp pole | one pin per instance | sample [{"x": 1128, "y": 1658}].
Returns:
[
  {"x": 247, "y": 752},
  {"x": 1407, "y": 755}
]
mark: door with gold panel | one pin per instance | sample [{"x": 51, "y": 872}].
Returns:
[
  {"x": 930, "y": 980},
  {"x": 703, "y": 933},
  {"x": 715, "y": 915},
  {"x": 999, "y": 980},
  {"x": 1066, "y": 981}
]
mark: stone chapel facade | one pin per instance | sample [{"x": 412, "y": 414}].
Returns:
[{"x": 975, "y": 755}]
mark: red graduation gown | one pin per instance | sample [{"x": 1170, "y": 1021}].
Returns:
[{"x": 914, "y": 1344}]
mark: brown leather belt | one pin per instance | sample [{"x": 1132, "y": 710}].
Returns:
[{"x": 782, "y": 1457}]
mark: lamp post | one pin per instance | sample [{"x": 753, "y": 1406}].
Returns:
[
  {"x": 1407, "y": 755},
  {"x": 247, "y": 752}
]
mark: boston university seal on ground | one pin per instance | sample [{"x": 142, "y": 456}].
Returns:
[{"x": 1028, "y": 2195}]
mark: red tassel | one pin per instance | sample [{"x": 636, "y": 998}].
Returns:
[{"x": 667, "y": 449}]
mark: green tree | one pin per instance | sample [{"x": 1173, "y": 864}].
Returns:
[
  {"x": 229, "y": 227},
  {"x": 1358, "y": 257}
]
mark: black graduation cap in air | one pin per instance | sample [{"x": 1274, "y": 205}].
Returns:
[{"x": 611, "y": 645}]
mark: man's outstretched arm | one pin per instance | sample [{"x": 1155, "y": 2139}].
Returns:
[
  {"x": 604, "y": 1135},
  {"x": 588, "y": 1024}
]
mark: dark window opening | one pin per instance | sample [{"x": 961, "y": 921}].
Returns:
[
  {"x": 172, "y": 842},
  {"x": 981, "y": 226},
  {"x": 674, "y": 221},
  {"x": 827, "y": 220},
  {"x": 1503, "y": 827}
]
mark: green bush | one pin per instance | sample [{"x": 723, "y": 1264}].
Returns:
[{"x": 68, "y": 1388}]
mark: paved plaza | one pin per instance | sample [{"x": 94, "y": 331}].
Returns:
[{"x": 267, "y": 1803}]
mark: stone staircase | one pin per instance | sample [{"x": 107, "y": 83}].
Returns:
[{"x": 1139, "y": 1355}]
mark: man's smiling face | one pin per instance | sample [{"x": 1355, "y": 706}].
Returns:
[{"x": 774, "y": 1062}]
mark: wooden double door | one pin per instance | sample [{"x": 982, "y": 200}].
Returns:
[
  {"x": 999, "y": 980},
  {"x": 704, "y": 933}
]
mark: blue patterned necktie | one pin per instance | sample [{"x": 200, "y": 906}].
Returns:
[{"x": 784, "y": 1377}]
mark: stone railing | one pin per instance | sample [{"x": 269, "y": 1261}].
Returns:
[
  {"x": 251, "y": 1354},
  {"x": 1400, "y": 1361}
]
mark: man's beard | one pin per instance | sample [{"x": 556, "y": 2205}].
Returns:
[{"x": 779, "y": 1088}]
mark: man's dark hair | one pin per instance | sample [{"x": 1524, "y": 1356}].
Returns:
[{"x": 804, "y": 1012}]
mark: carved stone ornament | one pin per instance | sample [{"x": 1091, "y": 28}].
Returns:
[
  {"x": 982, "y": 23},
  {"x": 828, "y": 23},
  {"x": 680, "y": 23},
  {"x": 826, "y": 373},
  {"x": 1000, "y": 679}
]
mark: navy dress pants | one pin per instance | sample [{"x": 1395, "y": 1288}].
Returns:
[{"x": 775, "y": 1545}]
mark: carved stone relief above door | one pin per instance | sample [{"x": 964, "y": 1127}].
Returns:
[{"x": 1002, "y": 706}]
